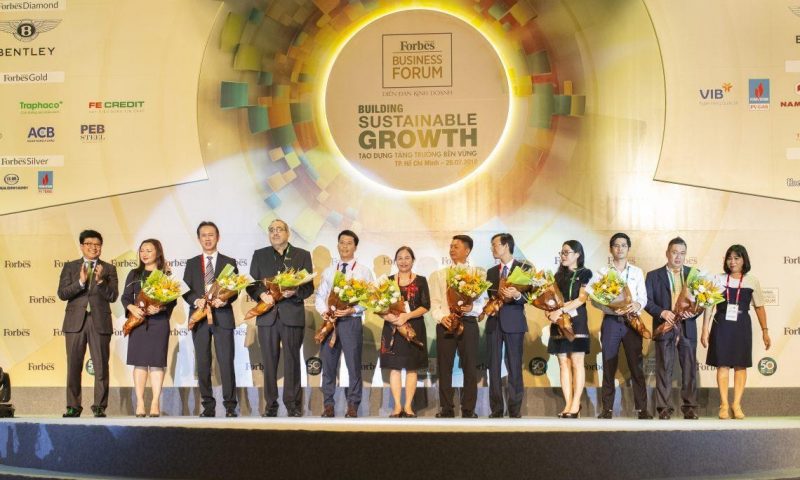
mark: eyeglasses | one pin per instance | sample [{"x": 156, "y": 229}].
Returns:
[
  {"x": 92, "y": 244},
  {"x": 276, "y": 229},
  {"x": 564, "y": 253}
]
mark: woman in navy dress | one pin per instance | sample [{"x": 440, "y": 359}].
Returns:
[
  {"x": 571, "y": 279},
  {"x": 147, "y": 343},
  {"x": 730, "y": 340},
  {"x": 396, "y": 352}
]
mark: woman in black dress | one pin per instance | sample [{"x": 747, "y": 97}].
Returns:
[
  {"x": 396, "y": 352},
  {"x": 147, "y": 343},
  {"x": 571, "y": 279},
  {"x": 730, "y": 340}
]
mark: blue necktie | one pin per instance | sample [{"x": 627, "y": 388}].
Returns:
[{"x": 344, "y": 268}]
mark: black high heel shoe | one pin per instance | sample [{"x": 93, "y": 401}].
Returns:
[{"x": 574, "y": 415}]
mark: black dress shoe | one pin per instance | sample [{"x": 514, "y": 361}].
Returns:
[
  {"x": 208, "y": 413},
  {"x": 605, "y": 414},
  {"x": 270, "y": 412},
  {"x": 690, "y": 416},
  {"x": 445, "y": 414},
  {"x": 72, "y": 412},
  {"x": 328, "y": 412},
  {"x": 397, "y": 415},
  {"x": 295, "y": 412},
  {"x": 140, "y": 415},
  {"x": 99, "y": 412},
  {"x": 409, "y": 415},
  {"x": 468, "y": 414},
  {"x": 496, "y": 415},
  {"x": 230, "y": 413},
  {"x": 645, "y": 415},
  {"x": 515, "y": 415}
]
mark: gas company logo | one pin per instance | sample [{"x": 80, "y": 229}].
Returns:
[
  {"x": 28, "y": 30},
  {"x": 758, "y": 95},
  {"x": 45, "y": 181},
  {"x": 722, "y": 95}
]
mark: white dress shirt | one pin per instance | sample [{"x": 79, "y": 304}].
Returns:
[
  {"x": 633, "y": 277},
  {"x": 354, "y": 269}
]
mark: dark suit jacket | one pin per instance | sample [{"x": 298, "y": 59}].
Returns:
[
  {"x": 511, "y": 316},
  {"x": 659, "y": 298},
  {"x": 266, "y": 263},
  {"x": 193, "y": 276},
  {"x": 98, "y": 296}
]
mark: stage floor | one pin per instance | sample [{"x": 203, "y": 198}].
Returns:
[{"x": 311, "y": 447}]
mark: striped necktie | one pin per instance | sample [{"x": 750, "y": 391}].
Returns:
[{"x": 209, "y": 278}]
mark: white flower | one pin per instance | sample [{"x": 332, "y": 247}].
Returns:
[
  {"x": 701, "y": 289},
  {"x": 460, "y": 302},
  {"x": 336, "y": 289},
  {"x": 551, "y": 302}
]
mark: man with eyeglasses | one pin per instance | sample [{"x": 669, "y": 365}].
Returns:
[
  {"x": 89, "y": 286},
  {"x": 199, "y": 275},
  {"x": 615, "y": 330},
  {"x": 284, "y": 323}
]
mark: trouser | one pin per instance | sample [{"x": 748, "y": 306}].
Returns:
[
  {"x": 99, "y": 350},
  {"x": 271, "y": 338},
  {"x": 513, "y": 358},
  {"x": 666, "y": 351},
  {"x": 613, "y": 332},
  {"x": 349, "y": 337},
  {"x": 467, "y": 346},
  {"x": 223, "y": 344}
]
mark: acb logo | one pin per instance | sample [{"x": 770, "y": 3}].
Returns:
[{"x": 41, "y": 132}]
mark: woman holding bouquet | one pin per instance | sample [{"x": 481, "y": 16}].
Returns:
[
  {"x": 571, "y": 279},
  {"x": 730, "y": 340},
  {"x": 147, "y": 344},
  {"x": 396, "y": 352}
]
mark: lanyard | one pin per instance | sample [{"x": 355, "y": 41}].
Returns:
[
  {"x": 738, "y": 289},
  {"x": 672, "y": 280},
  {"x": 572, "y": 281},
  {"x": 352, "y": 266},
  {"x": 203, "y": 262}
]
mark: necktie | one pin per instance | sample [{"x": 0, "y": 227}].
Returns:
[
  {"x": 209, "y": 278},
  {"x": 90, "y": 267},
  {"x": 504, "y": 273},
  {"x": 344, "y": 268}
]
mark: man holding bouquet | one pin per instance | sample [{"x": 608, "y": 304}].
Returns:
[
  {"x": 507, "y": 327},
  {"x": 282, "y": 324},
  {"x": 199, "y": 275},
  {"x": 615, "y": 330},
  {"x": 664, "y": 286},
  {"x": 88, "y": 285},
  {"x": 449, "y": 341},
  {"x": 349, "y": 327}
]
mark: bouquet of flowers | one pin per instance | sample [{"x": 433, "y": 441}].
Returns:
[
  {"x": 519, "y": 279},
  {"x": 384, "y": 298},
  {"x": 345, "y": 293},
  {"x": 612, "y": 291},
  {"x": 158, "y": 289},
  {"x": 464, "y": 285},
  {"x": 546, "y": 296},
  {"x": 289, "y": 280},
  {"x": 700, "y": 291},
  {"x": 224, "y": 288}
]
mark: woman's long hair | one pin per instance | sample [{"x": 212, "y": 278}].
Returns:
[
  {"x": 577, "y": 248},
  {"x": 160, "y": 260}
]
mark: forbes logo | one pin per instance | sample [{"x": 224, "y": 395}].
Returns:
[
  {"x": 16, "y": 332},
  {"x": 42, "y": 134},
  {"x": 42, "y": 299},
  {"x": 28, "y": 30}
]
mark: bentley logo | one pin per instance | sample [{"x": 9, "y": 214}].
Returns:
[{"x": 28, "y": 30}]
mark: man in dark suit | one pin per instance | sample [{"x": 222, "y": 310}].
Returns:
[
  {"x": 199, "y": 275},
  {"x": 507, "y": 327},
  {"x": 284, "y": 323},
  {"x": 664, "y": 285},
  {"x": 89, "y": 286}
]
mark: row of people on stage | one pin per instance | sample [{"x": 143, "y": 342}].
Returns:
[{"x": 90, "y": 285}]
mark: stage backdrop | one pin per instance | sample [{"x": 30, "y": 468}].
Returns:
[{"x": 407, "y": 122}]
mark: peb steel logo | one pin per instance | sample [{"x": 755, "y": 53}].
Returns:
[{"x": 27, "y": 30}]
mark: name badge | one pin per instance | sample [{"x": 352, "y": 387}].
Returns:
[
  {"x": 732, "y": 313},
  {"x": 408, "y": 307},
  {"x": 573, "y": 313}
]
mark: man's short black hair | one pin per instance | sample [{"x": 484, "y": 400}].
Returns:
[
  {"x": 465, "y": 239},
  {"x": 207, "y": 223},
  {"x": 348, "y": 233},
  {"x": 506, "y": 239},
  {"x": 90, "y": 234},
  {"x": 618, "y": 236}
]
